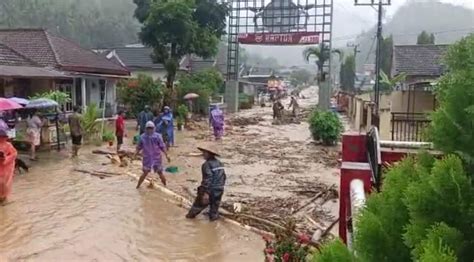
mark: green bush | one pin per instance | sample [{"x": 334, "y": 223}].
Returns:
[
  {"x": 451, "y": 128},
  {"x": 139, "y": 92},
  {"x": 89, "y": 124},
  {"x": 325, "y": 126},
  {"x": 423, "y": 213},
  {"x": 108, "y": 136},
  {"x": 332, "y": 252},
  {"x": 245, "y": 101},
  {"x": 205, "y": 84}
]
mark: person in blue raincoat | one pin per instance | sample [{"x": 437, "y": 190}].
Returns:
[
  {"x": 168, "y": 117},
  {"x": 162, "y": 128},
  {"x": 143, "y": 118}
]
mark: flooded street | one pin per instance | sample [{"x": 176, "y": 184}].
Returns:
[
  {"x": 56, "y": 214},
  {"x": 272, "y": 170}
]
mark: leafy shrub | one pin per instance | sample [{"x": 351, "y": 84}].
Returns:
[
  {"x": 139, "y": 92},
  {"x": 89, "y": 124},
  {"x": 58, "y": 96},
  {"x": 182, "y": 114},
  {"x": 325, "y": 126},
  {"x": 423, "y": 213},
  {"x": 332, "y": 252},
  {"x": 108, "y": 136},
  {"x": 286, "y": 247},
  {"x": 245, "y": 101},
  {"x": 205, "y": 84},
  {"x": 451, "y": 128}
]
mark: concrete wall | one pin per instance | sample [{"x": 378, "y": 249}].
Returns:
[
  {"x": 418, "y": 101},
  {"x": 397, "y": 101}
]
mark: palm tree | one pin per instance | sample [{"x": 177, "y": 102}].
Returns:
[{"x": 322, "y": 54}]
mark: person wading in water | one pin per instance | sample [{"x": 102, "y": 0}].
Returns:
[
  {"x": 143, "y": 118},
  {"x": 212, "y": 185},
  {"x": 76, "y": 130},
  {"x": 217, "y": 121},
  {"x": 7, "y": 163},
  {"x": 152, "y": 145}
]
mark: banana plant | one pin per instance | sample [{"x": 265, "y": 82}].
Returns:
[{"x": 388, "y": 83}]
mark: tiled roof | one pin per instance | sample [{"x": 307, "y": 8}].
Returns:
[
  {"x": 8, "y": 57},
  {"x": 195, "y": 63},
  {"x": 50, "y": 50},
  {"x": 30, "y": 72},
  {"x": 418, "y": 60},
  {"x": 137, "y": 57}
]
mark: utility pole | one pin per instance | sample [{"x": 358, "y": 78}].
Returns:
[
  {"x": 356, "y": 48},
  {"x": 378, "y": 51}
]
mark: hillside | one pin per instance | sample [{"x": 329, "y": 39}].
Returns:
[
  {"x": 448, "y": 22},
  {"x": 92, "y": 23}
]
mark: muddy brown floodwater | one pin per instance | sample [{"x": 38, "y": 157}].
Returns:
[{"x": 56, "y": 214}]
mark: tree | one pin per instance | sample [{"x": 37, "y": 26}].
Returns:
[
  {"x": 453, "y": 121},
  {"x": 178, "y": 28},
  {"x": 93, "y": 24},
  {"x": 386, "y": 57},
  {"x": 322, "y": 55},
  {"x": 426, "y": 207},
  {"x": 388, "y": 83},
  {"x": 347, "y": 73},
  {"x": 425, "y": 39},
  {"x": 300, "y": 77},
  {"x": 205, "y": 84},
  {"x": 140, "y": 92}
]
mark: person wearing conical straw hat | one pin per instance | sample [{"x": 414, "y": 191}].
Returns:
[{"x": 212, "y": 185}]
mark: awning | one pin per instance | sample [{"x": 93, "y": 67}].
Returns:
[{"x": 30, "y": 72}]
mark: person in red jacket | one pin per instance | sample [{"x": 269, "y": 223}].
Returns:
[
  {"x": 120, "y": 129},
  {"x": 7, "y": 163}
]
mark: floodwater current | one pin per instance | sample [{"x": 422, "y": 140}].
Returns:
[{"x": 56, "y": 214}]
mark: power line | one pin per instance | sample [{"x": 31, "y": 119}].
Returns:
[{"x": 349, "y": 37}]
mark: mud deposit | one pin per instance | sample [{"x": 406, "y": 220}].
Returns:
[{"x": 275, "y": 172}]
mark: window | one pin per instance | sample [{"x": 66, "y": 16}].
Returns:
[{"x": 102, "y": 93}]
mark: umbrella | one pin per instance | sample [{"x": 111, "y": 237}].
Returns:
[
  {"x": 42, "y": 103},
  {"x": 19, "y": 100},
  {"x": 191, "y": 96},
  {"x": 6, "y": 104}
]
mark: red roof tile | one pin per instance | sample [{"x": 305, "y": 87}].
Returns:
[
  {"x": 8, "y": 57},
  {"x": 51, "y": 50}
]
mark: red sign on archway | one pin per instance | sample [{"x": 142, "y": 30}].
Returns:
[{"x": 296, "y": 38}]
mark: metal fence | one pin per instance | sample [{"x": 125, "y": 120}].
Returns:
[{"x": 409, "y": 126}]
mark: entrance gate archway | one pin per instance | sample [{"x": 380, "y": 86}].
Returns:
[{"x": 277, "y": 22}]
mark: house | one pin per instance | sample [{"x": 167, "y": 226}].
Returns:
[
  {"x": 137, "y": 59},
  {"x": 403, "y": 113},
  {"x": 34, "y": 61},
  {"x": 195, "y": 64}
]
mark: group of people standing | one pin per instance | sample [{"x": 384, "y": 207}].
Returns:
[
  {"x": 156, "y": 137},
  {"x": 164, "y": 123},
  {"x": 278, "y": 108}
]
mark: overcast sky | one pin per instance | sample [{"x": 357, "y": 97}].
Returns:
[{"x": 364, "y": 17}]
